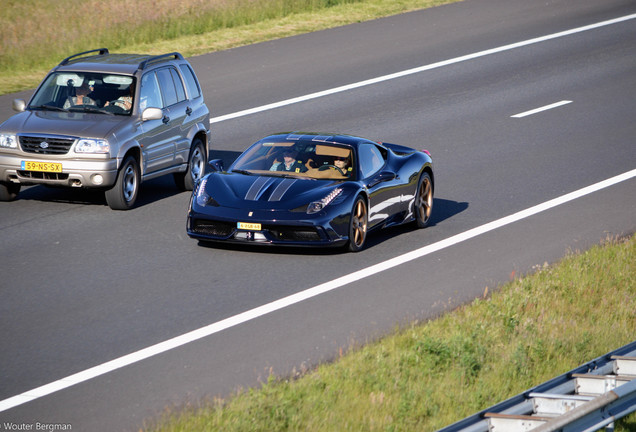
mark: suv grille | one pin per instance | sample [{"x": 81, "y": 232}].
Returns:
[{"x": 46, "y": 144}]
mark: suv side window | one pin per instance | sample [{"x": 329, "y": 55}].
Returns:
[
  {"x": 178, "y": 84},
  {"x": 191, "y": 82},
  {"x": 150, "y": 94},
  {"x": 169, "y": 86}
]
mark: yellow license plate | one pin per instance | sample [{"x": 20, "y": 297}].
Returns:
[
  {"x": 249, "y": 226},
  {"x": 42, "y": 166}
]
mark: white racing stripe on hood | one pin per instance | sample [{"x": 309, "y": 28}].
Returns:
[
  {"x": 259, "y": 185},
  {"x": 262, "y": 184},
  {"x": 281, "y": 189}
]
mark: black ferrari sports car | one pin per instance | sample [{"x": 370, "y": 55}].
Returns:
[{"x": 308, "y": 189}]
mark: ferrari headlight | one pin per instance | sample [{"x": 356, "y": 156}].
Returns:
[
  {"x": 92, "y": 146},
  {"x": 8, "y": 141},
  {"x": 202, "y": 197},
  {"x": 316, "y": 206}
]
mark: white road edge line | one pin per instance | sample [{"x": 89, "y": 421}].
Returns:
[
  {"x": 293, "y": 299},
  {"x": 543, "y": 108},
  {"x": 417, "y": 70}
]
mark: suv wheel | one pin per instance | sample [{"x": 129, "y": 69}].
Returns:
[
  {"x": 122, "y": 196},
  {"x": 9, "y": 191},
  {"x": 196, "y": 167}
]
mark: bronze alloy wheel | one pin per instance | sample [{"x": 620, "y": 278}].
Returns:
[
  {"x": 358, "y": 225},
  {"x": 423, "y": 206}
]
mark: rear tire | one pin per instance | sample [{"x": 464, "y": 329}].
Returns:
[
  {"x": 196, "y": 167},
  {"x": 123, "y": 194},
  {"x": 358, "y": 225},
  {"x": 423, "y": 205},
  {"x": 9, "y": 191}
]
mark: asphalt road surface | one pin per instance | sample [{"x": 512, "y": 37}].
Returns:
[{"x": 515, "y": 107}]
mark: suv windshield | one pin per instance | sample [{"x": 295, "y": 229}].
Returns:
[{"x": 81, "y": 91}]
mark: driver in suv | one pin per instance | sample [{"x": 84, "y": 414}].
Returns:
[{"x": 146, "y": 117}]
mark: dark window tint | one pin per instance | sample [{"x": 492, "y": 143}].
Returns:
[
  {"x": 193, "y": 86},
  {"x": 178, "y": 85},
  {"x": 167, "y": 87}
]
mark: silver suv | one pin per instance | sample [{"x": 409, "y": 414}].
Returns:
[{"x": 108, "y": 121}]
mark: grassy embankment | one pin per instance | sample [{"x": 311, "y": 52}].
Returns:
[
  {"x": 432, "y": 374},
  {"x": 36, "y": 34}
]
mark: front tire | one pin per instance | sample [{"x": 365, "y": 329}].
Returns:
[
  {"x": 9, "y": 191},
  {"x": 423, "y": 205},
  {"x": 196, "y": 167},
  {"x": 123, "y": 194},
  {"x": 358, "y": 225}
]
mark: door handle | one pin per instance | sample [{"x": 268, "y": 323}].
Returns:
[
  {"x": 188, "y": 111},
  {"x": 165, "y": 119}
]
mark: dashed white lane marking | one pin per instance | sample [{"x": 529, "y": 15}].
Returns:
[
  {"x": 543, "y": 108},
  {"x": 418, "y": 69}
]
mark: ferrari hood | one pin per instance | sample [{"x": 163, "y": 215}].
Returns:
[{"x": 239, "y": 190}]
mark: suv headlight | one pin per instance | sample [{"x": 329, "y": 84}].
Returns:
[
  {"x": 92, "y": 146},
  {"x": 316, "y": 206},
  {"x": 8, "y": 141}
]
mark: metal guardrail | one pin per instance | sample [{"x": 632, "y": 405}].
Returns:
[{"x": 587, "y": 398}]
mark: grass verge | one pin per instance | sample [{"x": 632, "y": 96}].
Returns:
[
  {"x": 37, "y": 34},
  {"x": 432, "y": 374}
]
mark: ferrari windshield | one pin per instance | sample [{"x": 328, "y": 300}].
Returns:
[
  {"x": 318, "y": 160},
  {"x": 83, "y": 91}
]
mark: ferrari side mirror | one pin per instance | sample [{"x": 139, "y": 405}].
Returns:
[
  {"x": 382, "y": 177},
  {"x": 216, "y": 165}
]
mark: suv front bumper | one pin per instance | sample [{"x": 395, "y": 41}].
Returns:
[{"x": 75, "y": 173}]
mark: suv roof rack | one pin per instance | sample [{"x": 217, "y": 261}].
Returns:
[
  {"x": 154, "y": 59},
  {"x": 102, "y": 51}
]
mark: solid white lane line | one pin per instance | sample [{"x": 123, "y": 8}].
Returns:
[
  {"x": 299, "y": 297},
  {"x": 544, "y": 108},
  {"x": 418, "y": 69}
]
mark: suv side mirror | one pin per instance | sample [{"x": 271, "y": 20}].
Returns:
[
  {"x": 19, "y": 105},
  {"x": 152, "y": 114}
]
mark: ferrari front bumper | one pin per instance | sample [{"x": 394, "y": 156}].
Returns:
[{"x": 270, "y": 228}]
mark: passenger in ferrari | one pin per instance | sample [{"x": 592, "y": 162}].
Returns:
[{"x": 290, "y": 164}]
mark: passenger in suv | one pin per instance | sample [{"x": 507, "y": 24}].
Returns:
[{"x": 147, "y": 118}]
